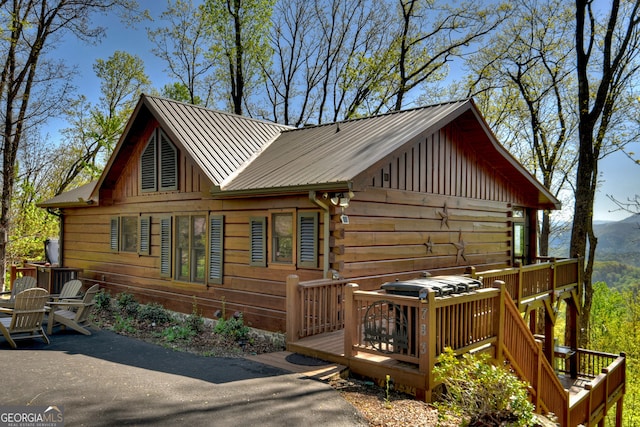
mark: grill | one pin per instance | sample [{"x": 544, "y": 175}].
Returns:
[{"x": 442, "y": 285}]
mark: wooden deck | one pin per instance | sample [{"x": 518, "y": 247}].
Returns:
[{"x": 376, "y": 334}]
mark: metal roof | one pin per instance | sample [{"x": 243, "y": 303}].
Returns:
[
  {"x": 337, "y": 152},
  {"x": 218, "y": 142},
  {"x": 80, "y": 196}
]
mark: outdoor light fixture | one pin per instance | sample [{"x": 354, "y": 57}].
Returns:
[{"x": 340, "y": 199}]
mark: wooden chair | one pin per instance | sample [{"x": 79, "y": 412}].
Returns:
[
  {"x": 73, "y": 314},
  {"x": 19, "y": 285},
  {"x": 26, "y": 316},
  {"x": 70, "y": 290}
]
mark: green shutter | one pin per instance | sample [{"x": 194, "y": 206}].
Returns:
[
  {"x": 144, "y": 239},
  {"x": 258, "y": 241},
  {"x": 165, "y": 247},
  {"x": 148, "y": 166},
  {"x": 114, "y": 234},
  {"x": 308, "y": 240},
  {"x": 168, "y": 164},
  {"x": 216, "y": 238}
]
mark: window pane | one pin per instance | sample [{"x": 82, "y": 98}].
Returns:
[
  {"x": 198, "y": 248},
  {"x": 129, "y": 234},
  {"x": 282, "y": 237},
  {"x": 518, "y": 240},
  {"x": 182, "y": 247}
]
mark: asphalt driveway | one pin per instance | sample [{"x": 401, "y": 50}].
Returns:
[{"x": 107, "y": 379}]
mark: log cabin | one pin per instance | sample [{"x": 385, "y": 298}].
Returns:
[
  {"x": 205, "y": 204},
  {"x": 233, "y": 214}
]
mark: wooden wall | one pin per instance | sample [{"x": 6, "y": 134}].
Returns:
[{"x": 436, "y": 206}]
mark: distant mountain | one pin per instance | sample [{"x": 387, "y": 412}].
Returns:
[{"x": 616, "y": 240}]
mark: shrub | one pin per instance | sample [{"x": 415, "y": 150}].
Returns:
[
  {"x": 127, "y": 304},
  {"x": 195, "y": 321},
  {"x": 103, "y": 300},
  {"x": 233, "y": 327},
  {"x": 124, "y": 325},
  {"x": 154, "y": 313},
  {"x": 482, "y": 393},
  {"x": 176, "y": 332}
]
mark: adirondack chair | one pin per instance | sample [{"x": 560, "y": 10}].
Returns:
[
  {"x": 73, "y": 314},
  {"x": 26, "y": 316},
  {"x": 19, "y": 285},
  {"x": 70, "y": 289}
]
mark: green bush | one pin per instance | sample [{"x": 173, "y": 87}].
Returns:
[
  {"x": 154, "y": 313},
  {"x": 175, "y": 333},
  {"x": 482, "y": 393},
  {"x": 124, "y": 325},
  {"x": 103, "y": 300},
  {"x": 233, "y": 327},
  {"x": 195, "y": 321},
  {"x": 127, "y": 304}
]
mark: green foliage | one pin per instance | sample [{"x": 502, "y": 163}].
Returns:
[
  {"x": 195, "y": 321},
  {"x": 616, "y": 274},
  {"x": 178, "y": 332},
  {"x": 233, "y": 327},
  {"x": 124, "y": 324},
  {"x": 127, "y": 304},
  {"x": 103, "y": 300},
  {"x": 482, "y": 393},
  {"x": 154, "y": 313}
]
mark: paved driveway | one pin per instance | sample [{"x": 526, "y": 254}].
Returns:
[{"x": 106, "y": 379}]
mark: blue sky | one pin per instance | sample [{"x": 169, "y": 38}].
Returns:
[{"x": 620, "y": 177}]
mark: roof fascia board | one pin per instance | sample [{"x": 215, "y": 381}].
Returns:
[{"x": 298, "y": 189}]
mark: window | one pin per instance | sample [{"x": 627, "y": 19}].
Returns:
[
  {"x": 294, "y": 241},
  {"x": 145, "y": 235},
  {"x": 123, "y": 236},
  {"x": 520, "y": 236},
  {"x": 282, "y": 235},
  {"x": 129, "y": 234},
  {"x": 159, "y": 164},
  {"x": 191, "y": 233}
]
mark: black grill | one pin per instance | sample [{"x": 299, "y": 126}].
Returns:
[{"x": 442, "y": 285}]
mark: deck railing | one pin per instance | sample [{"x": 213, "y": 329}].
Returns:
[{"x": 316, "y": 306}]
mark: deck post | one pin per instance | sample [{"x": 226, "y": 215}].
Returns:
[
  {"x": 499, "y": 319},
  {"x": 428, "y": 361},
  {"x": 349, "y": 320},
  {"x": 293, "y": 308}
]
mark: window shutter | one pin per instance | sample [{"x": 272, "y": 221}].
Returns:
[
  {"x": 165, "y": 247},
  {"x": 148, "y": 165},
  {"x": 258, "y": 241},
  {"x": 308, "y": 239},
  {"x": 114, "y": 234},
  {"x": 168, "y": 164},
  {"x": 216, "y": 236},
  {"x": 145, "y": 236}
]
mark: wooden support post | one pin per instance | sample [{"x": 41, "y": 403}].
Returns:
[
  {"x": 350, "y": 320},
  {"x": 619, "y": 411},
  {"x": 432, "y": 355},
  {"x": 293, "y": 304},
  {"x": 499, "y": 319}
]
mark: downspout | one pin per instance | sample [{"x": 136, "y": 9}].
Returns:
[{"x": 327, "y": 231}]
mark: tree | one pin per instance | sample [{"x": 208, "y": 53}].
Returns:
[
  {"x": 28, "y": 80},
  {"x": 182, "y": 44},
  {"x": 95, "y": 129},
  {"x": 524, "y": 81},
  {"x": 606, "y": 56},
  {"x": 428, "y": 35},
  {"x": 238, "y": 44}
]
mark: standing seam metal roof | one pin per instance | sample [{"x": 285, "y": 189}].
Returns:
[
  {"x": 337, "y": 152},
  {"x": 218, "y": 142}
]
